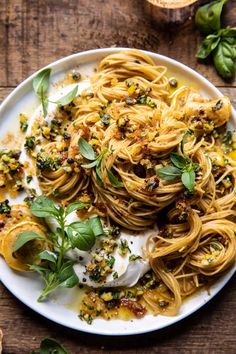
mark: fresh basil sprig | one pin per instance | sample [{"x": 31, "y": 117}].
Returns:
[
  {"x": 207, "y": 17},
  {"x": 220, "y": 44},
  {"x": 184, "y": 168},
  {"x": 50, "y": 346},
  {"x": 222, "y": 47},
  {"x": 40, "y": 86},
  {"x": 58, "y": 271},
  {"x": 224, "y": 57},
  {"x": 87, "y": 151}
]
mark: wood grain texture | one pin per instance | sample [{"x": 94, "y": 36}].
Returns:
[{"x": 34, "y": 33}]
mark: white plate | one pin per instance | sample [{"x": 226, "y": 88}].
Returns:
[{"x": 27, "y": 287}]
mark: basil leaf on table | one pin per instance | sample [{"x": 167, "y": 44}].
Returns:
[
  {"x": 25, "y": 237},
  {"x": 224, "y": 59},
  {"x": 169, "y": 173},
  {"x": 68, "y": 98},
  {"x": 86, "y": 149},
  {"x": 208, "y": 45},
  {"x": 51, "y": 346},
  {"x": 207, "y": 17}
]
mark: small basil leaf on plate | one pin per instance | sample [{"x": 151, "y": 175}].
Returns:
[
  {"x": 68, "y": 98},
  {"x": 81, "y": 235},
  {"x": 169, "y": 173},
  {"x": 41, "y": 82},
  {"x": 179, "y": 160},
  {"x": 75, "y": 206},
  {"x": 91, "y": 164},
  {"x": 67, "y": 277},
  {"x": 44, "y": 101},
  {"x": 48, "y": 256},
  {"x": 51, "y": 346},
  {"x": 188, "y": 179},
  {"x": 25, "y": 237},
  {"x": 114, "y": 180},
  {"x": 86, "y": 149},
  {"x": 44, "y": 207},
  {"x": 96, "y": 226}
]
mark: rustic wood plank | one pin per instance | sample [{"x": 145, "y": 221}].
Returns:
[{"x": 36, "y": 32}]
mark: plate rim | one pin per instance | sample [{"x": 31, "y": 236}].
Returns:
[{"x": 225, "y": 278}]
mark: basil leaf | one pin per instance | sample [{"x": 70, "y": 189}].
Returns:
[
  {"x": 114, "y": 180},
  {"x": 229, "y": 32},
  {"x": 208, "y": 45},
  {"x": 49, "y": 346},
  {"x": 48, "y": 256},
  {"x": 81, "y": 235},
  {"x": 169, "y": 173},
  {"x": 41, "y": 82},
  {"x": 36, "y": 268},
  {"x": 44, "y": 101},
  {"x": 86, "y": 149},
  {"x": 64, "y": 277},
  {"x": 67, "y": 277},
  {"x": 25, "y": 237},
  {"x": 98, "y": 171},
  {"x": 75, "y": 206},
  {"x": 44, "y": 207},
  {"x": 179, "y": 160},
  {"x": 68, "y": 98},
  {"x": 188, "y": 179},
  {"x": 91, "y": 164},
  {"x": 207, "y": 18},
  {"x": 96, "y": 226},
  {"x": 223, "y": 57}
]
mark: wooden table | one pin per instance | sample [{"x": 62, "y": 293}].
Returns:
[{"x": 34, "y": 33}]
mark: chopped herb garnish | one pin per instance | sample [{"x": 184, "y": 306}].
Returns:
[
  {"x": 29, "y": 178},
  {"x": 115, "y": 275},
  {"x": 5, "y": 207},
  {"x": 110, "y": 261},
  {"x": 30, "y": 142},
  {"x": 124, "y": 247},
  {"x": 134, "y": 257}
]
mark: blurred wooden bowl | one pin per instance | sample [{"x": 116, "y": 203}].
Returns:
[
  {"x": 164, "y": 12},
  {"x": 172, "y": 4}
]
